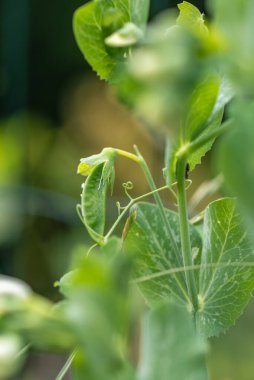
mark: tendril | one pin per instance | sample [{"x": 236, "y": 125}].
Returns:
[{"x": 128, "y": 186}]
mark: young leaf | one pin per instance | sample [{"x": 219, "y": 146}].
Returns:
[
  {"x": 155, "y": 252},
  {"x": 97, "y": 20},
  {"x": 171, "y": 348},
  {"x": 201, "y": 106},
  {"x": 191, "y": 18},
  {"x": 196, "y": 157},
  {"x": 225, "y": 282}
]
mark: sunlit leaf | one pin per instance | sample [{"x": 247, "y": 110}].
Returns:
[
  {"x": 191, "y": 18},
  {"x": 171, "y": 347}
]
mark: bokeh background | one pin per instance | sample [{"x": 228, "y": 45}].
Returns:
[{"x": 54, "y": 111}]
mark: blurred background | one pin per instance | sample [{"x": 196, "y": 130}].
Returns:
[{"x": 54, "y": 111}]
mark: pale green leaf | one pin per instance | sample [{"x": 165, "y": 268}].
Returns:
[
  {"x": 191, "y": 18},
  {"x": 156, "y": 252},
  {"x": 171, "y": 348},
  {"x": 225, "y": 282}
]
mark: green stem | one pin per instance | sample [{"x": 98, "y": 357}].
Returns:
[
  {"x": 131, "y": 156},
  {"x": 157, "y": 198},
  {"x": 66, "y": 366},
  {"x": 185, "y": 233},
  {"x": 129, "y": 205}
]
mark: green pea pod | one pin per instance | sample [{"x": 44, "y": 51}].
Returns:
[{"x": 93, "y": 204}]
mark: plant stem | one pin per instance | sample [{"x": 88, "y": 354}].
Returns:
[
  {"x": 66, "y": 366},
  {"x": 157, "y": 197},
  {"x": 128, "y": 206},
  {"x": 184, "y": 232},
  {"x": 131, "y": 156}
]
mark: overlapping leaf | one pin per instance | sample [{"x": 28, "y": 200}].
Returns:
[
  {"x": 171, "y": 348},
  {"x": 225, "y": 278}
]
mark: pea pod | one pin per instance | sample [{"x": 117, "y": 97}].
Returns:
[{"x": 93, "y": 203}]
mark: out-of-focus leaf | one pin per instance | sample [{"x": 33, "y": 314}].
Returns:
[
  {"x": 171, "y": 347},
  {"x": 234, "y": 20},
  {"x": 97, "y": 309},
  {"x": 236, "y": 158},
  {"x": 97, "y": 20},
  {"x": 191, "y": 18},
  {"x": 11, "y": 356},
  {"x": 156, "y": 252},
  {"x": 225, "y": 282}
]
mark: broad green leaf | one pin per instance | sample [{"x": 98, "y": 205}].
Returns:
[
  {"x": 171, "y": 347},
  {"x": 155, "y": 252},
  {"x": 234, "y": 20},
  {"x": 225, "y": 279},
  {"x": 97, "y": 20},
  {"x": 201, "y": 106},
  {"x": 191, "y": 18},
  {"x": 93, "y": 203}
]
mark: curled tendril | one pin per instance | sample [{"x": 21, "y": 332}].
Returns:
[{"x": 128, "y": 186}]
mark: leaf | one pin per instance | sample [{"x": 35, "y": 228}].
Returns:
[
  {"x": 97, "y": 20},
  {"x": 225, "y": 283},
  {"x": 98, "y": 310},
  {"x": 93, "y": 203},
  {"x": 171, "y": 348},
  {"x": 191, "y": 18},
  {"x": 196, "y": 157},
  {"x": 225, "y": 94},
  {"x": 155, "y": 252},
  {"x": 201, "y": 106},
  {"x": 235, "y": 159}
]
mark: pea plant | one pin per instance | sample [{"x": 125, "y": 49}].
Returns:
[{"x": 190, "y": 80}]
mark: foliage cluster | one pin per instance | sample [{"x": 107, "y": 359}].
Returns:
[{"x": 177, "y": 75}]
